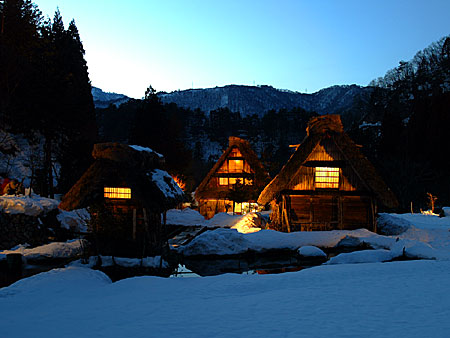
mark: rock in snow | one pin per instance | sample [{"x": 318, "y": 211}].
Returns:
[{"x": 311, "y": 251}]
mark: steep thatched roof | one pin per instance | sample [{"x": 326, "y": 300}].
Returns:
[
  {"x": 261, "y": 175},
  {"x": 119, "y": 165},
  {"x": 329, "y": 126}
]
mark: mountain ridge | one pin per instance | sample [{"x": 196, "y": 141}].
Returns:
[{"x": 250, "y": 100}]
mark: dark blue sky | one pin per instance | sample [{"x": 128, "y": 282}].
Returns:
[{"x": 297, "y": 45}]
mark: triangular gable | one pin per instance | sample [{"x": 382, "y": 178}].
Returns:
[
  {"x": 329, "y": 128},
  {"x": 325, "y": 153},
  {"x": 247, "y": 153}
]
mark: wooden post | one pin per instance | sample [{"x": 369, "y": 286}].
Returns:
[
  {"x": 134, "y": 224},
  {"x": 146, "y": 232},
  {"x": 284, "y": 214},
  {"x": 374, "y": 214}
]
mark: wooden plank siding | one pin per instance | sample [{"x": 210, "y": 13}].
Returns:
[{"x": 329, "y": 212}]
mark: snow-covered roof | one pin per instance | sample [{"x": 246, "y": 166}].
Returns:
[
  {"x": 166, "y": 184},
  {"x": 148, "y": 150}
]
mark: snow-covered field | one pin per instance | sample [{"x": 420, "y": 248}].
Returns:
[
  {"x": 339, "y": 299},
  {"x": 400, "y": 299}
]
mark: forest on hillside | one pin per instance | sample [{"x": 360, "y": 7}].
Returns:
[{"x": 45, "y": 94}]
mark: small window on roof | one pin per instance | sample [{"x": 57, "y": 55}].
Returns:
[
  {"x": 235, "y": 152},
  {"x": 110, "y": 192}
]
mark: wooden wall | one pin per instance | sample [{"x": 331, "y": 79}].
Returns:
[{"x": 327, "y": 212}]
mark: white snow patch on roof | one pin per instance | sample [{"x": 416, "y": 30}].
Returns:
[
  {"x": 365, "y": 124},
  {"x": 166, "y": 184},
  {"x": 148, "y": 150}
]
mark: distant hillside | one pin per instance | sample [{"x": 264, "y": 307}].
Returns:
[
  {"x": 103, "y": 99},
  {"x": 249, "y": 100}
]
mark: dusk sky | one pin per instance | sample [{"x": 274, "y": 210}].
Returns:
[{"x": 298, "y": 45}]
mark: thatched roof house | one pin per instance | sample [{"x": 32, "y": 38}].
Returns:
[
  {"x": 327, "y": 183},
  {"x": 127, "y": 185},
  {"x": 122, "y": 166},
  {"x": 234, "y": 182}
]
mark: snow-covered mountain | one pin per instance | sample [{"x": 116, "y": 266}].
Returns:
[
  {"x": 104, "y": 99},
  {"x": 249, "y": 100}
]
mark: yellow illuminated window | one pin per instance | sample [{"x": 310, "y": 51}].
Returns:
[
  {"x": 236, "y": 166},
  {"x": 234, "y": 180},
  {"x": 117, "y": 192},
  {"x": 223, "y": 180},
  {"x": 235, "y": 153},
  {"x": 327, "y": 177},
  {"x": 237, "y": 207}
]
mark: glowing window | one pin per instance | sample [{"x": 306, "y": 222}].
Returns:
[
  {"x": 235, "y": 153},
  {"x": 236, "y": 166},
  {"x": 234, "y": 180},
  {"x": 248, "y": 181},
  {"x": 237, "y": 207},
  {"x": 117, "y": 192},
  {"x": 223, "y": 180},
  {"x": 327, "y": 177}
]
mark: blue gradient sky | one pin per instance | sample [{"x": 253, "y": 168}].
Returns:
[{"x": 296, "y": 45}]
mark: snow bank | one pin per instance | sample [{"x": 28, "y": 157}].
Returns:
[
  {"x": 229, "y": 241},
  {"x": 392, "y": 224},
  {"x": 186, "y": 217},
  {"x": 31, "y": 206},
  {"x": 68, "y": 249},
  {"x": 398, "y": 299},
  {"x": 217, "y": 242},
  {"x": 75, "y": 220},
  {"x": 166, "y": 184},
  {"x": 421, "y": 221},
  {"x": 311, "y": 251},
  {"x": 251, "y": 222},
  {"x": 446, "y": 211},
  {"x": 248, "y": 223},
  {"x": 363, "y": 256}
]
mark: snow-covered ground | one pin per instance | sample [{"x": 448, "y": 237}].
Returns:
[
  {"x": 339, "y": 299},
  {"x": 399, "y": 299},
  {"x": 420, "y": 236},
  {"x": 243, "y": 223},
  {"x": 31, "y": 206},
  {"x": 35, "y": 205},
  {"x": 69, "y": 249}
]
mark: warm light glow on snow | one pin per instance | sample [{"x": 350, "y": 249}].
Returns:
[
  {"x": 327, "y": 177},
  {"x": 117, "y": 192}
]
